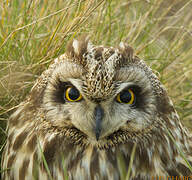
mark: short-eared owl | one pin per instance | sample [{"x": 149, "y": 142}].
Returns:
[{"x": 90, "y": 107}]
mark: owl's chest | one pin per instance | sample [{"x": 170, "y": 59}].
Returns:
[{"x": 92, "y": 163}]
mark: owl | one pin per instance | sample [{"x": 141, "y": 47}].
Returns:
[{"x": 86, "y": 115}]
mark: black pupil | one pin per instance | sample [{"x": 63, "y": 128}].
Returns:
[
  {"x": 125, "y": 96},
  {"x": 73, "y": 93}
]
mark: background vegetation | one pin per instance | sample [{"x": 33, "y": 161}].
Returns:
[{"x": 34, "y": 32}]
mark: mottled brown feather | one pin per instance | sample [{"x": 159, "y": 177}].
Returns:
[{"x": 64, "y": 131}]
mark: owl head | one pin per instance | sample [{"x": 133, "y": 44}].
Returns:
[{"x": 103, "y": 94}]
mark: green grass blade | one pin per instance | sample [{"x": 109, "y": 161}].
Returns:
[
  {"x": 45, "y": 163},
  {"x": 131, "y": 161},
  {"x": 180, "y": 151}
]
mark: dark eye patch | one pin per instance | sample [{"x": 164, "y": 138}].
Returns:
[{"x": 59, "y": 89}]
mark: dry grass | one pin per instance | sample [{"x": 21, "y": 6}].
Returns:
[{"x": 33, "y": 33}]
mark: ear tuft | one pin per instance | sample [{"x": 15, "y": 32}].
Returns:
[
  {"x": 77, "y": 47},
  {"x": 126, "y": 51}
]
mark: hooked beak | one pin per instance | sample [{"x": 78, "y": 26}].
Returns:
[{"x": 98, "y": 120}]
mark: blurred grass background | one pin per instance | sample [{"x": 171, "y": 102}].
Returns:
[{"x": 34, "y": 32}]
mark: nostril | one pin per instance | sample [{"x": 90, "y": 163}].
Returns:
[{"x": 128, "y": 121}]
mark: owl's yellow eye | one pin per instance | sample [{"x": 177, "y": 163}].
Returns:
[
  {"x": 126, "y": 96},
  {"x": 72, "y": 94}
]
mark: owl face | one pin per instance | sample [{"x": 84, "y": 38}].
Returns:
[{"x": 100, "y": 91}]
